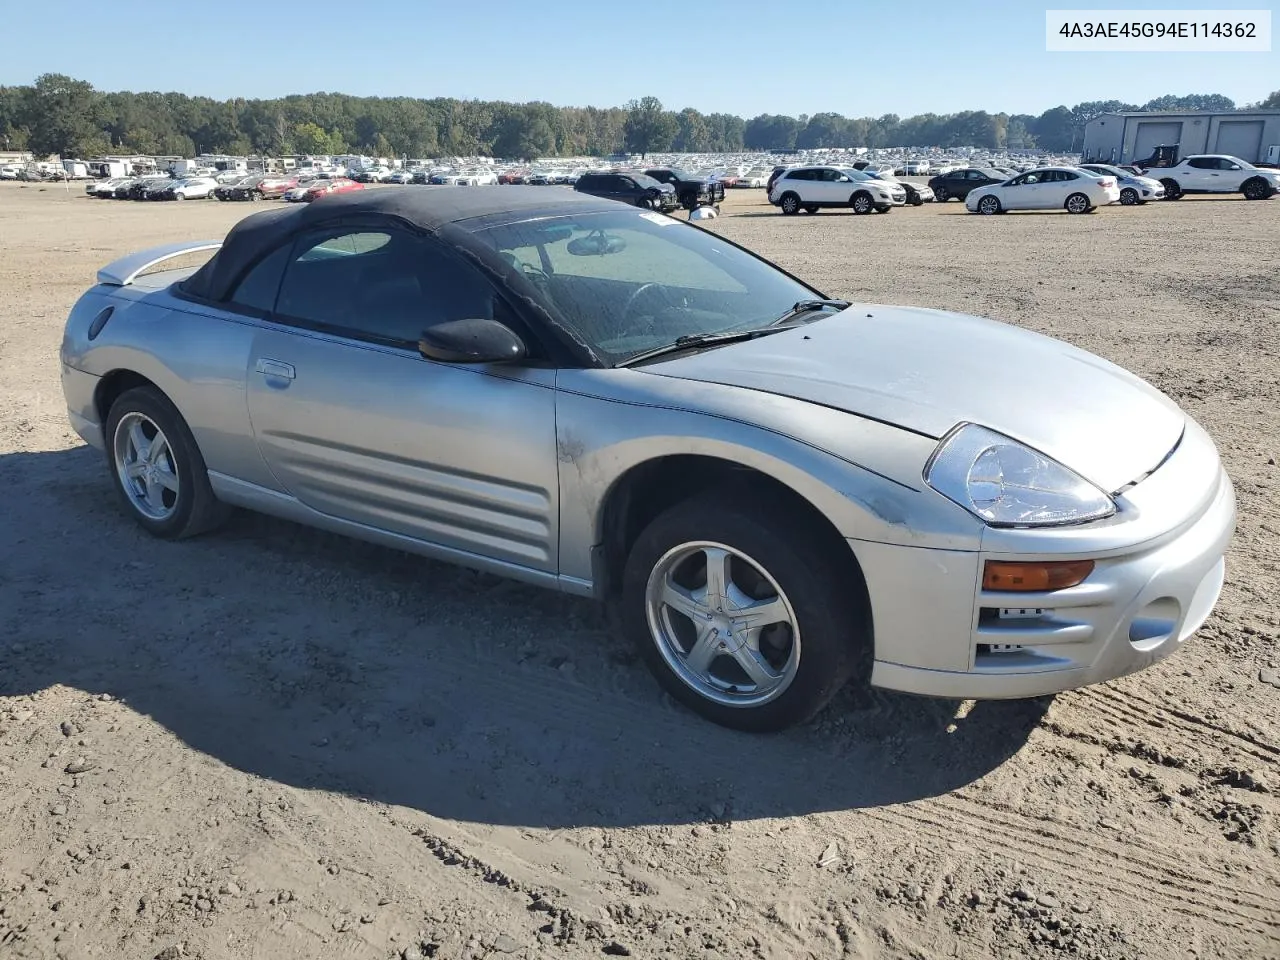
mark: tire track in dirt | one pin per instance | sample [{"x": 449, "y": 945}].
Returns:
[
  {"x": 1141, "y": 879},
  {"x": 1173, "y": 872},
  {"x": 1172, "y": 717},
  {"x": 1200, "y": 738}
]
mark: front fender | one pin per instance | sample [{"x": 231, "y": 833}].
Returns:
[{"x": 602, "y": 437}]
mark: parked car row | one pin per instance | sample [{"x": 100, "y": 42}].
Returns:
[
  {"x": 153, "y": 188},
  {"x": 990, "y": 190}
]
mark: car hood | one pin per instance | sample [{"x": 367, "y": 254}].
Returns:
[{"x": 928, "y": 370}]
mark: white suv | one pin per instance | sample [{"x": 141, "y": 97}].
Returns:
[
  {"x": 812, "y": 188},
  {"x": 1217, "y": 173}
]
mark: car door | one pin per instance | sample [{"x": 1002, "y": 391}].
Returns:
[
  {"x": 1018, "y": 193},
  {"x": 355, "y": 424},
  {"x": 969, "y": 180},
  {"x": 1193, "y": 174},
  {"x": 824, "y": 186},
  {"x": 1052, "y": 190}
]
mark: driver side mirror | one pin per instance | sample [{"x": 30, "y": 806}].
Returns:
[{"x": 473, "y": 340}]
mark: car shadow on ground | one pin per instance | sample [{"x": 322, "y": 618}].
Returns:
[{"x": 320, "y": 662}]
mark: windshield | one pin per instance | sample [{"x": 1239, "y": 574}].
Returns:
[
  {"x": 1244, "y": 164},
  {"x": 630, "y": 281},
  {"x": 857, "y": 174}
]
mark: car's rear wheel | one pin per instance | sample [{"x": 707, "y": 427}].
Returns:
[
  {"x": 1078, "y": 203},
  {"x": 989, "y": 205},
  {"x": 790, "y": 203},
  {"x": 1172, "y": 190},
  {"x": 1129, "y": 197},
  {"x": 739, "y": 619},
  {"x": 157, "y": 467},
  {"x": 861, "y": 203},
  {"x": 1255, "y": 188}
]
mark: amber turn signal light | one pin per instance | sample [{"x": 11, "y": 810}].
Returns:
[{"x": 1034, "y": 576}]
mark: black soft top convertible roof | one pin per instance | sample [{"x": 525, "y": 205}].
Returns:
[{"x": 428, "y": 209}]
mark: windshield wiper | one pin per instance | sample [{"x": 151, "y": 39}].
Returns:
[
  {"x": 691, "y": 340},
  {"x": 807, "y": 306}
]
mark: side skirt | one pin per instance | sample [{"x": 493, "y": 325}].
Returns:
[{"x": 250, "y": 496}]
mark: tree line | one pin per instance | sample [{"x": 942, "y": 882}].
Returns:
[{"x": 60, "y": 115}]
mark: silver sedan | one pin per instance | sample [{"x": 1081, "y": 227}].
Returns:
[{"x": 775, "y": 491}]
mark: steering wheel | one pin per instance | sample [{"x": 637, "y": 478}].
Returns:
[
  {"x": 536, "y": 275},
  {"x": 640, "y": 291}
]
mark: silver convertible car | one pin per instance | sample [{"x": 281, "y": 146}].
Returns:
[{"x": 775, "y": 492}]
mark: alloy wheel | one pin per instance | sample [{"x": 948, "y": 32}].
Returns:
[
  {"x": 722, "y": 624},
  {"x": 145, "y": 463}
]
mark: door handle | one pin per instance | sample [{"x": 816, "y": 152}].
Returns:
[{"x": 275, "y": 368}]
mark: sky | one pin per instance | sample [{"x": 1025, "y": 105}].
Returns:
[{"x": 736, "y": 56}]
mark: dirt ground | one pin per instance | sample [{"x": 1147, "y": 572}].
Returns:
[{"x": 275, "y": 743}]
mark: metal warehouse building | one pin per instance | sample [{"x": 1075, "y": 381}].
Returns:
[{"x": 1252, "y": 135}]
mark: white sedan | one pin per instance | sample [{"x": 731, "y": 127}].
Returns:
[
  {"x": 195, "y": 188},
  {"x": 1046, "y": 188}
]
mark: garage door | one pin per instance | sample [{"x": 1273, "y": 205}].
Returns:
[
  {"x": 1152, "y": 134},
  {"x": 1240, "y": 138}
]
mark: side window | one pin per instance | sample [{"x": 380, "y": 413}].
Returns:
[
  {"x": 380, "y": 285},
  {"x": 974, "y": 175},
  {"x": 257, "y": 289},
  {"x": 1017, "y": 181},
  {"x": 626, "y": 184},
  {"x": 1067, "y": 175},
  {"x": 1201, "y": 163}
]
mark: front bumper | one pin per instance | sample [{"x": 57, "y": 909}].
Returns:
[{"x": 1137, "y": 607}]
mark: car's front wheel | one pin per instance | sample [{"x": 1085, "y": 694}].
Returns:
[
  {"x": 940, "y": 194},
  {"x": 861, "y": 203},
  {"x": 989, "y": 205},
  {"x": 1256, "y": 188},
  {"x": 157, "y": 467},
  {"x": 739, "y": 619},
  {"x": 1129, "y": 197}
]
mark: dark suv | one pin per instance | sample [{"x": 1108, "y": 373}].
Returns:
[
  {"x": 691, "y": 190},
  {"x": 633, "y": 188}
]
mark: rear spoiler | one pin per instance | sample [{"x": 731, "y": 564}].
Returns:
[{"x": 122, "y": 272}]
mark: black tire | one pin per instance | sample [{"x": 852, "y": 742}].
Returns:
[
  {"x": 648, "y": 203},
  {"x": 1129, "y": 197},
  {"x": 196, "y": 510},
  {"x": 1077, "y": 203},
  {"x": 1255, "y": 188},
  {"x": 861, "y": 203},
  {"x": 834, "y": 638},
  {"x": 1172, "y": 190},
  {"x": 940, "y": 194},
  {"x": 917, "y": 200},
  {"x": 990, "y": 205},
  {"x": 789, "y": 202},
  {"x": 812, "y": 208},
  {"x": 883, "y": 209}
]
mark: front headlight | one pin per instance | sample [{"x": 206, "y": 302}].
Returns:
[{"x": 1008, "y": 484}]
